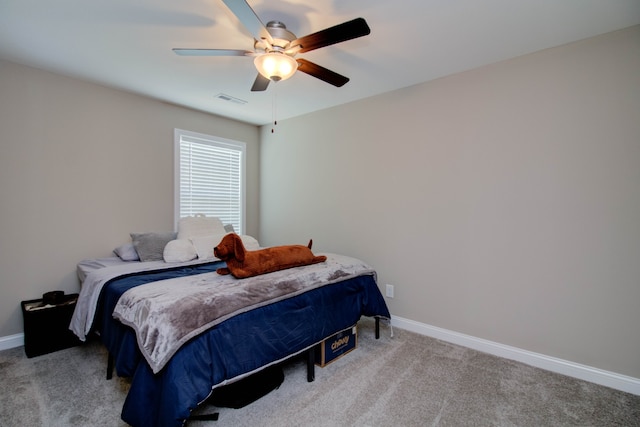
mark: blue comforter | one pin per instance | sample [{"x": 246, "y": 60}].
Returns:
[
  {"x": 237, "y": 346},
  {"x": 119, "y": 339}
]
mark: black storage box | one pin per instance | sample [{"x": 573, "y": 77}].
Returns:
[{"x": 46, "y": 326}]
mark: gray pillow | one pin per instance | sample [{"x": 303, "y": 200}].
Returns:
[
  {"x": 229, "y": 228},
  {"x": 150, "y": 246}
]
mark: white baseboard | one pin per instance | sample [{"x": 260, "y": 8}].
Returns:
[
  {"x": 575, "y": 370},
  {"x": 11, "y": 341},
  {"x": 553, "y": 364}
]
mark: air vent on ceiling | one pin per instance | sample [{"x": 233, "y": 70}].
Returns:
[{"x": 225, "y": 97}]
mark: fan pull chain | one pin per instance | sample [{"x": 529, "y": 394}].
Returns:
[{"x": 274, "y": 107}]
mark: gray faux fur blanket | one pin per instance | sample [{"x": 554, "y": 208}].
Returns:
[{"x": 166, "y": 314}]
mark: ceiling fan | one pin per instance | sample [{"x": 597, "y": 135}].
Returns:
[{"x": 275, "y": 47}]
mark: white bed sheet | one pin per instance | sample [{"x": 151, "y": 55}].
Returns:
[{"x": 86, "y": 266}]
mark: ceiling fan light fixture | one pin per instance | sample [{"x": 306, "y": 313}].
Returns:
[{"x": 276, "y": 66}]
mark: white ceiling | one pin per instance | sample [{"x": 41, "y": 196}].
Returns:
[{"x": 127, "y": 44}]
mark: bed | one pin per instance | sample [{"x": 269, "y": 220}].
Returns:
[{"x": 233, "y": 327}]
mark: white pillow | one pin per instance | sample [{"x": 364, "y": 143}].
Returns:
[
  {"x": 179, "y": 250},
  {"x": 250, "y": 243},
  {"x": 199, "y": 226},
  {"x": 127, "y": 252},
  {"x": 204, "y": 245}
]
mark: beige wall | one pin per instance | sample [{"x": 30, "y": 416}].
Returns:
[
  {"x": 81, "y": 166},
  {"x": 502, "y": 203},
  {"x": 507, "y": 211}
]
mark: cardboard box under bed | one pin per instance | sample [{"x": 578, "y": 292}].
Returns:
[{"x": 336, "y": 346}]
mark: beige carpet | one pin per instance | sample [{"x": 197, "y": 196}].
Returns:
[{"x": 407, "y": 380}]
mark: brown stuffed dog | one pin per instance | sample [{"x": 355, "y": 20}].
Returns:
[{"x": 242, "y": 263}]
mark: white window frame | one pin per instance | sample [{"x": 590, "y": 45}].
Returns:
[{"x": 179, "y": 135}]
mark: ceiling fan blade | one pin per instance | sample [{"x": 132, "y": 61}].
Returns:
[
  {"x": 212, "y": 52},
  {"x": 342, "y": 32},
  {"x": 261, "y": 83},
  {"x": 321, "y": 73},
  {"x": 249, "y": 19}
]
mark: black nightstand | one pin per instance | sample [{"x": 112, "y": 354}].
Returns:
[{"x": 46, "y": 327}]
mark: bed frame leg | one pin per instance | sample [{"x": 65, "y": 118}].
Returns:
[
  {"x": 109, "y": 366},
  {"x": 205, "y": 417},
  {"x": 311, "y": 364},
  {"x": 377, "y": 328}
]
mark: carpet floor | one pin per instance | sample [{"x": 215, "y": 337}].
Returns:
[{"x": 405, "y": 380}]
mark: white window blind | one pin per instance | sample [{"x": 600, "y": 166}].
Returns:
[{"x": 210, "y": 177}]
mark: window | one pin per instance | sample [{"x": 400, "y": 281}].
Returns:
[{"x": 209, "y": 175}]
